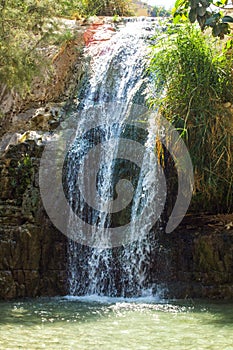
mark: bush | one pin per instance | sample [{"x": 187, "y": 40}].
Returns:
[
  {"x": 27, "y": 26},
  {"x": 24, "y": 28},
  {"x": 109, "y": 7},
  {"x": 195, "y": 81},
  {"x": 97, "y": 7}
]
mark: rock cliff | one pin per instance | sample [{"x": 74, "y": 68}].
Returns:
[
  {"x": 194, "y": 261},
  {"x": 32, "y": 251}
]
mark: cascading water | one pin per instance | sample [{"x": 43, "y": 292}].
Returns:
[{"x": 114, "y": 85}]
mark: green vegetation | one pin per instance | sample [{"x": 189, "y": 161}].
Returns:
[
  {"x": 24, "y": 26},
  {"x": 108, "y": 7},
  {"x": 27, "y": 26},
  {"x": 159, "y": 11},
  {"x": 76, "y": 8},
  {"x": 204, "y": 12},
  {"x": 196, "y": 79}
]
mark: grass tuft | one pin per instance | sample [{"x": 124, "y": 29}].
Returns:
[{"x": 193, "y": 83}]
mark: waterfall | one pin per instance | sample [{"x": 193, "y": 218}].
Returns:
[{"x": 114, "y": 84}]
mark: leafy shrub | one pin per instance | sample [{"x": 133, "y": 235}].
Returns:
[
  {"x": 195, "y": 81},
  {"x": 108, "y": 7},
  {"x": 24, "y": 28},
  {"x": 96, "y": 7},
  {"x": 27, "y": 26},
  {"x": 204, "y": 12}
]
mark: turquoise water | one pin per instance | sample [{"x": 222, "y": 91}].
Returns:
[{"x": 102, "y": 323}]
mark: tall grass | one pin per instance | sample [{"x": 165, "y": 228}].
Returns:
[{"x": 195, "y": 81}]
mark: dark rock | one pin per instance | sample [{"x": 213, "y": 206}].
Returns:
[
  {"x": 32, "y": 251},
  {"x": 196, "y": 260}
]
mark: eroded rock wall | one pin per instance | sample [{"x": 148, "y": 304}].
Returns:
[
  {"x": 32, "y": 251},
  {"x": 196, "y": 260}
]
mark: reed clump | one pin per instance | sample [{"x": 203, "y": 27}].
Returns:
[{"x": 193, "y": 89}]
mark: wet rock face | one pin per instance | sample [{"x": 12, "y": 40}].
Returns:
[
  {"x": 32, "y": 251},
  {"x": 196, "y": 260}
]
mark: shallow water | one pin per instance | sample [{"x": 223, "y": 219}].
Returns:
[{"x": 103, "y": 323}]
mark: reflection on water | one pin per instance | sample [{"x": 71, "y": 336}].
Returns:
[{"x": 107, "y": 323}]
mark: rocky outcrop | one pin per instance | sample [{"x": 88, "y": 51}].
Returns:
[
  {"x": 54, "y": 86},
  {"x": 53, "y": 82},
  {"x": 196, "y": 260},
  {"x": 32, "y": 251}
]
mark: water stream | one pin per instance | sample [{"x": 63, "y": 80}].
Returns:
[{"x": 112, "y": 95}]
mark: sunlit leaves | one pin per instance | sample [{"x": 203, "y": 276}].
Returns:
[
  {"x": 203, "y": 13},
  {"x": 26, "y": 26},
  {"x": 23, "y": 28}
]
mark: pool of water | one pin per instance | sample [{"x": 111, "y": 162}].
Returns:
[{"x": 102, "y": 323}]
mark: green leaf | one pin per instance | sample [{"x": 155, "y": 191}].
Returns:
[
  {"x": 220, "y": 3},
  {"x": 179, "y": 3},
  {"x": 201, "y": 11},
  {"x": 224, "y": 28},
  {"x": 216, "y": 30},
  {"x": 201, "y": 20},
  {"x": 211, "y": 21},
  {"x": 192, "y": 15},
  {"x": 227, "y": 19},
  {"x": 229, "y": 44}
]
